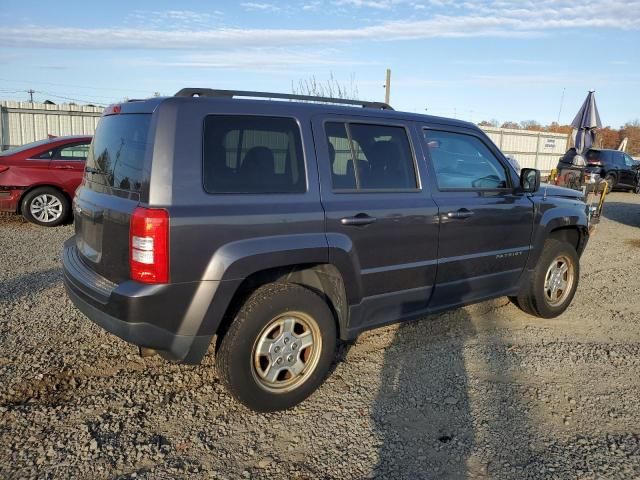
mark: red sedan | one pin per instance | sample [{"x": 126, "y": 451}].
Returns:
[{"x": 39, "y": 179}]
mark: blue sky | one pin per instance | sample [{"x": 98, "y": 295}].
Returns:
[{"x": 474, "y": 59}]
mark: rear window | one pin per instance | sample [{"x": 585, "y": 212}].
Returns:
[
  {"x": 595, "y": 156},
  {"x": 252, "y": 154},
  {"x": 116, "y": 156}
]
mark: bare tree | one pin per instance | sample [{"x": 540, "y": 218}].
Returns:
[
  {"x": 530, "y": 125},
  {"x": 328, "y": 88}
]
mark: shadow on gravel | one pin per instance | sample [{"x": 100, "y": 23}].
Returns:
[
  {"x": 625, "y": 213},
  {"x": 422, "y": 412},
  {"x": 29, "y": 284},
  {"x": 441, "y": 413}
]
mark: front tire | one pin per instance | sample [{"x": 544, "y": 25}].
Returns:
[
  {"x": 552, "y": 285},
  {"x": 279, "y": 348},
  {"x": 45, "y": 206}
]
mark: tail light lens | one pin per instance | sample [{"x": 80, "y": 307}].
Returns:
[
  {"x": 112, "y": 110},
  {"x": 594, "y": 163},
  {"x": 149, "y": 245}
]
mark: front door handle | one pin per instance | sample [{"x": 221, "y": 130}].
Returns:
[
  {"x": 460, "y": 214},
  {"x": 360, "y": 219}
]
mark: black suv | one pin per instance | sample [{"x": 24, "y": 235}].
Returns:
[
  {"x": 271, "y": 228},
  {"x": 617, "y": 168}
]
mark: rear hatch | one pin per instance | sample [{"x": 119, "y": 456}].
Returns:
[
  {"x": 595, "y": 160},
  {"x": 115, "y": 182}
]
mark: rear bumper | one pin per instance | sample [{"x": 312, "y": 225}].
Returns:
[
  {"x": 150, "y": 316},
  {"x": 10, "y": 199}
]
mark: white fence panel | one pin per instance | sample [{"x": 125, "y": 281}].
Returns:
[
  {"x": 531, "y": 148},
  {"x": 25, "y": 122}
]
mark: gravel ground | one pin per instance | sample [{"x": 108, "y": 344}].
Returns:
[{"x": 479, "y": 392}]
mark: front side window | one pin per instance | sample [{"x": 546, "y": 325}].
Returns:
[
  {"x": 252, "y": 154},
  {"x": 463, "y": 162},
  {"x": 72, "y": 153},
  {"x": 383, "y": 157},
  {"x": 628, "y": 161}
]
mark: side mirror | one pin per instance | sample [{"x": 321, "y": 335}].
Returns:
[{"x": 529, "y": 180}]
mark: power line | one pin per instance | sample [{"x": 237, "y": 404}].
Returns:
[
  {"x": 72, "y": 99},
  {"x": 104, "y": 89},
  {"x": 31, "y": 92}
]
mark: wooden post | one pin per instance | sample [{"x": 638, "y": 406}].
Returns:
[
  {"x": 2, "y": 129},
  {"x": 387, "y": 87}
]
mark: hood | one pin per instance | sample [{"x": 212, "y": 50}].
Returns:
[{"x": 549, "y": 190}]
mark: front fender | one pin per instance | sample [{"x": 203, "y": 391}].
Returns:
[{"x": 552, "y": 215}]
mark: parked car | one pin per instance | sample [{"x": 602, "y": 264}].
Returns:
[
  {"x": 39, "y": 179},
  {"x": 617, "y": 168},
  {"x": 272, "y": 227}
]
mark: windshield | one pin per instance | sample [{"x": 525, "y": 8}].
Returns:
[{"x": 22, "y": 148}]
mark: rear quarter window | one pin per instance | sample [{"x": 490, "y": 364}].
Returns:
[{"x": 252, "y": 154}]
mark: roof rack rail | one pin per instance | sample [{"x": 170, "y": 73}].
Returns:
[{"x": 210, "y": 92}]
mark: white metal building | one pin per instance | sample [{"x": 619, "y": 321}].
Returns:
[
  {"x": 530, "y": 148},
  {"x": 25, "y": 122}
]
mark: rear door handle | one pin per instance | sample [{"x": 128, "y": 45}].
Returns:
[
  {"x": 460, "y": 214},
  {"x": 360, "y": 219}
]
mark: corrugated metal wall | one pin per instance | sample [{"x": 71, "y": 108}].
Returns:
[
  {"x": 25, "y": 122},
  {"x": 532, "y": 149}
]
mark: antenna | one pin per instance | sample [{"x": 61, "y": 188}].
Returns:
[{"x": 561, "y": 102}]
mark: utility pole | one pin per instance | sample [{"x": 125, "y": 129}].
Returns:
[
  {"x": 31, "y": 91},
  {"x": 387, "y": 87}
]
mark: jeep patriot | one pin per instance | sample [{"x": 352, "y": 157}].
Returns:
[{"x": 269, "y": 225}]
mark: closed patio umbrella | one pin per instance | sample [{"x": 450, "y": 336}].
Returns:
[{"x": 584, "y": 126}]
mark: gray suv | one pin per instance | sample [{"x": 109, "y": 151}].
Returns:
[{"x": 267, "y": 229}]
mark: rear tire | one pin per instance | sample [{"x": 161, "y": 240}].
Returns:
[
  {"x": 552, "y": 285},
  {"x": 45, "y": 206},
  {"x": 279, "y": 348}
]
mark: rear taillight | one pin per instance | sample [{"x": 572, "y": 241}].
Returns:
[
  {"x": 112, "y": 110},
  {"x": 149, "y": 245},
  {"x": 596, "y": 163}
]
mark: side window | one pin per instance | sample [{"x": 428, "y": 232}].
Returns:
[
  {"x": 44, "y": 155},
  {"x": 384, "y": 160},
  {"x": 463, "y": 162},
  {"x": 628, "y": 161},
  {"x": 251, "y": 154},
  {"x": 343, "y": 174},
  {"x": 72, "y": 153}
]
